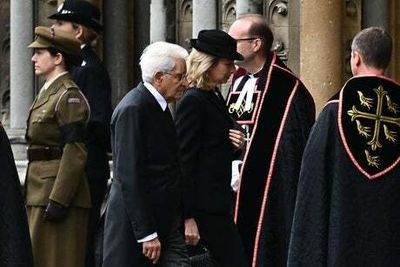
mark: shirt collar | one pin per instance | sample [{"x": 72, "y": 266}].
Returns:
[
  {"x": 257, "y": 74},
  {"x": 160, "y": 99},
  {"x": 49, "y": 82}
]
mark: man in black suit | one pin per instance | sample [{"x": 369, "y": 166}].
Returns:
[
  {"x": 82, "y": 19},
  {"x": 145, "y": 210}
]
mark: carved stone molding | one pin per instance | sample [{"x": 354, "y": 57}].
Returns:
[
  {"x": 184, "y": 20},
  {"x": 277, "y": 12},
  {"x": 351, "y": 25},
  {"x": 278, "y": 6},
  {"x": 228, "y": 14}
]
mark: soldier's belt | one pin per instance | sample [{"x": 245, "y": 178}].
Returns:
[{"x": 45, "y": 153}]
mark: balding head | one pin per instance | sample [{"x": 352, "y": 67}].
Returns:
[{"x": 254, "y": 40}]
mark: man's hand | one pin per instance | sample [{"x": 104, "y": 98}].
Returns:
[
  {"x": 237, "y": 138},
  {"x": 152, "y": 250},
  {"x": 192, "y": 235},
  {"x": 55, "y": 212}
]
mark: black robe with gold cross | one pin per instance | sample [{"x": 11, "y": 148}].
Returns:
[
  {"x": 280, "y": 119},
  {"x": 348, "y": 202}
]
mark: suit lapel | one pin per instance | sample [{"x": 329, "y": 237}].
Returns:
[
  {"x": 150, "y": 98},
  {"x": 53, "y": 89},
  {"x": 218, "y": 103}
]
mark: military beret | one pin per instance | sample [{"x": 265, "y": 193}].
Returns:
[{"x": 61, "y": 40}]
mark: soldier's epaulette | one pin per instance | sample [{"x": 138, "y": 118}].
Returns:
[{"x": 69, "y": 84}]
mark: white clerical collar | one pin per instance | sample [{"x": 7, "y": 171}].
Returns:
[
  {"x": 160, "y": 99},
  {"x": 49, "y": 82}
]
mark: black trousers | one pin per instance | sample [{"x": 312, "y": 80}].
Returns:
[
  {"x": 219, "y": 234},
  {"x": 98, "y": 190},
  {"x": 173, "y": 252},
  {"x": 120, "y": 248}
]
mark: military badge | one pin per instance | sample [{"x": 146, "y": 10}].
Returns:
[
  {"x": 73, "y": 100},
  {"x": 369, "y": 123}
]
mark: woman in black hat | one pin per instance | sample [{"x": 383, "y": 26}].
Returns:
[
  {"x": 57, "y": 192},
  {"x": 208, "y": 145}
]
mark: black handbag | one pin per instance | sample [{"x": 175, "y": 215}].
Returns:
[{"x": 199, "y": 256}]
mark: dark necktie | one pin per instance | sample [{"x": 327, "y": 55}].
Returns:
[
  {"x": 168, "y": 113},
  {"x": 242, "y": 83}
]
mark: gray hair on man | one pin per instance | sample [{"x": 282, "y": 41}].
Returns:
[
  {"x": 160, "y": 57},
  {"x": 374, "y": 44}
]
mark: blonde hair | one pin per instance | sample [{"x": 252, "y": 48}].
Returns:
[{"x": 197, "y": 65}]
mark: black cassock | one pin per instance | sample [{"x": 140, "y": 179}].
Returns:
[
  {"x": 15, "y": 246},
  {"x": 280, "y": 120},
  {"x": 348, "y": 202}
]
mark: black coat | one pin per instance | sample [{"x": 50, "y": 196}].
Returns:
[
  {"x": 15, "y": 245},
  {"x": 93, "y": 80},
  {"x": 145, "y": 196},
  {"x": 342, "y": 216},
  {"x": 203, "y": 124},
  {"x": 266, "y": 197}
]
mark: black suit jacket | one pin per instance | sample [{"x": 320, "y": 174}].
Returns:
[
  {"x": 203, "y": 124},
  {"x": 93, "y": 80},
  {"x": 146, "y": 170}
]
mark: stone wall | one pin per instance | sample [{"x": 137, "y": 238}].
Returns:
[{"x": 5, "y": 62}]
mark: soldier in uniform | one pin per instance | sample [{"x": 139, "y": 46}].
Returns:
[
  {"x": 81, "y": 18},
  {"x": 57, "y": 193}
]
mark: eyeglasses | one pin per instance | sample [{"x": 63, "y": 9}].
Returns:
[
  {"x": 179, "y": 76},
  {"x": 246, "y": 39}
]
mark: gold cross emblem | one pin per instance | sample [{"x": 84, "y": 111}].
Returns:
[
  {"x": 378, "y": 119},
  {"x": 241, "y": 109}
]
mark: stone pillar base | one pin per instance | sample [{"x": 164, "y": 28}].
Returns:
[{"x": 19, "y": 146}]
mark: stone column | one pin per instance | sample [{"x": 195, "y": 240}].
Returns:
[
  {"x": 116, "y": 56},
  {"x": 158, "y": 21},
  {"x": 248, "y": 7},
  {"x": 21, "y": 78},
  {"x": 321, "y": 48},
  {"x": 21, "y": 70},
  {"x": 375, "y": 13},
  {"x": 204, "y": 15}
]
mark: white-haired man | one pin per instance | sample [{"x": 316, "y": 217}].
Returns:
[{"x": 144, "y": 213}]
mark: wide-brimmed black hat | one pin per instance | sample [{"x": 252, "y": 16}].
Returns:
[
  {"x": 216, "y": 43},
  {"x": 81, "y": 12}
]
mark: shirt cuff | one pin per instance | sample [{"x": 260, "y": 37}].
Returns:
[{"x": 148, "y": 238}]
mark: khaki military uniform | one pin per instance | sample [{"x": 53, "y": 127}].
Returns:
[{"x": 57, "y": 121}]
